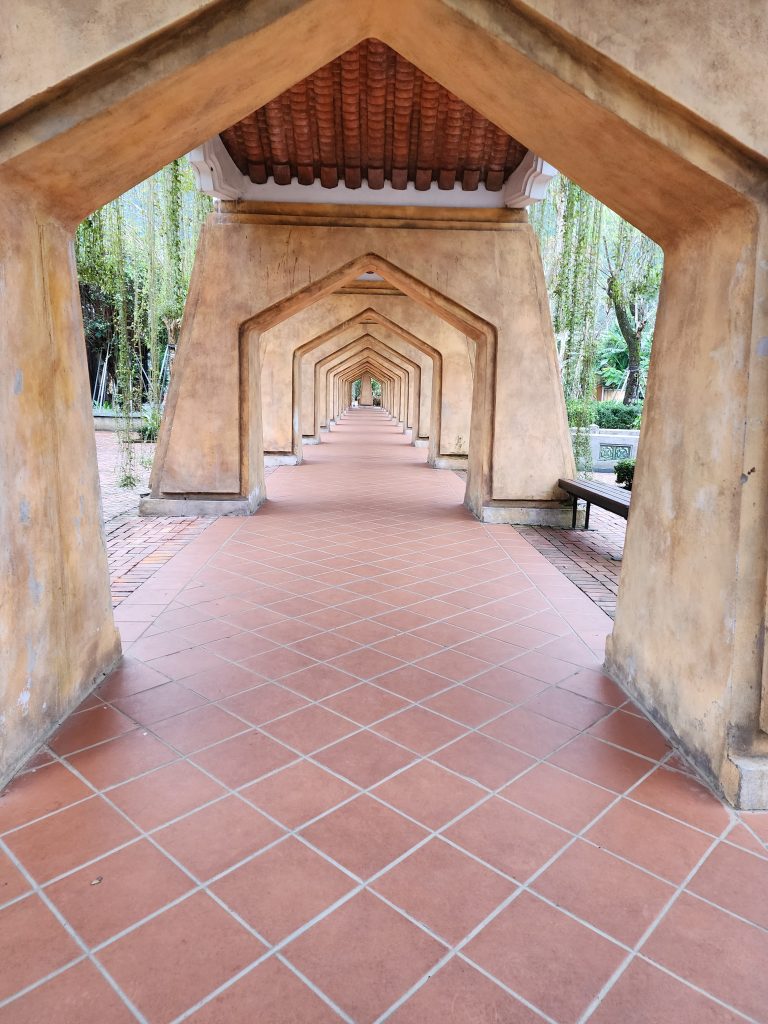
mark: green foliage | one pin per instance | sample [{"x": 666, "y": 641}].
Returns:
[
  {"x": 607, "y": 415},
  {"x": 570, "y": 230},
  {"x": 612, "y": 361},
  {"x": 625, "y": 472},
  {"x": 134, "y": 260},
  {"x": 603, "y": 279},
  {"x": 150, "y": 427}
]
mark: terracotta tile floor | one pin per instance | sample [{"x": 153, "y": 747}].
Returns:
[{"x": 360, "y": 764}]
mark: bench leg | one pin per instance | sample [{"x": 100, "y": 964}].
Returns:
[
  {"x": 575, "y": 510},
  {"x": 586, "y": 517}
]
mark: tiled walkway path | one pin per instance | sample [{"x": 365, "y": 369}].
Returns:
[{"x": 360, "y": 764}]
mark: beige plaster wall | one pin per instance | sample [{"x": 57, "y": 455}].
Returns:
[
  {"x": 633, "y": 135},
  {"x": 278, "y": 346},
  {"x": 56, "y": 629},
  {"x": 393, "y": 344},
  {"x": 453, "y": 345},
  {"x": 328, "y": 395},
  {"x": 490, "y": 267}
]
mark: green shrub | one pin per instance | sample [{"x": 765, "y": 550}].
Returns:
[
  {"x": 149, "y": 428},
  {"x": 625, "y": 472},
  {"x": 607, "y": 415}
]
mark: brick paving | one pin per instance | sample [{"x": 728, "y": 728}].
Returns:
[
  {"x": 136, "y": 547},
  {"x": 589, "y": 558},
  {"x": 360, "y": 764}
]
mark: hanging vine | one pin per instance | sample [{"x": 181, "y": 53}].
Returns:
[{"x": 134, "y": 259}]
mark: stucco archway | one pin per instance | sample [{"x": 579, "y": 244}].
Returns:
[{"x": 637, "y": 125}]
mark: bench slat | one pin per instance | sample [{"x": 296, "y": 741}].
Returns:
[{"x": 603, "y": 495}]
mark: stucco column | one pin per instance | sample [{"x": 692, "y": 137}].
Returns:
[
  {"x": 688, "y": 639},
  {"x": 57, "y": 634},
  {"x": 366, "y": 390}
]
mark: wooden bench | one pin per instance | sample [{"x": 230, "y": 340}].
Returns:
[{"x": 611, "y": 498}]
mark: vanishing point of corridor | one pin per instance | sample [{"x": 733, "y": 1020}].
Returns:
[{"x": 359, "y": 764}]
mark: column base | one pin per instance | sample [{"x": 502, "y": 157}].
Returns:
[
  {"x": 746, "y": 782},
  {"x": 420, "y": 442},
  {"x": 557, "y": 515},
  {"x": 77, "y": 695},
  {"x": 312, "y": 439},
  {"x": 199, "y": 506},
  {"x": 281, "y": 459},
  {"x": 451, "y": 462}
]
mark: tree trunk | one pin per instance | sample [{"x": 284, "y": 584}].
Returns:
[{"x": 633, "y": 339}]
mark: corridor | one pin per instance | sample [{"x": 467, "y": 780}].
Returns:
[{"x": 359, "y": 763}]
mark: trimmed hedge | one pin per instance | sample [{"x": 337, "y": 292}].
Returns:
[
  {"x": 608, "y": 415},
  {"x": 625, "y": 472}
]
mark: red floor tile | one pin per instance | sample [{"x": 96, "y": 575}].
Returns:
[
  {"x": 365, "y": 956},
  {"x": 483, "y": 760},
  {"x": 646, "y": 995},
  {"x": 506, "y": 684},
  {"x": 217, "y": 837},
  {"x": 244, "y": 758},
  {"x": 282, "y": 889},
  {"x": 737, "y": 881},
  {"x": 70, "y": 837},
  {"x": 121, "y": 759},
  {"x": 86, "y": 728},
  {"x": 601, "y": 763},
  {"x": 298, "y": 793},
  {"x": 444, "y": 889},
  {"x": 458, "y": 992},
  {"x": 546, "y": 957},
  {"x": 682, "y": 797},
  {"x": 716, "y": 952},
  {"x": 357, "y": 547},
  {"x": 413, "y": 683},
  {"x": 429, "y": 794},
  {"x": 365, "y": 703},
  {"x": 173, "y": 961},
  {"x": 198, "y": 728},
  {"x": 632, "y": 733},
  {"x": 222, "y": 681},
  {"x": 39, "y": 792},
  {"x": 164, "y": 794},
  {"x": 529, "y": 732},
  {"x": 263, "y": 703},
  {"x": 559, "y": 797},
  {"x": 364, "y": 758},
  {"x": 12, "y": 882},
  {"x": 364, "y": 836},
  {"x": 32, "y": 944},
  {"x": 309, "y": 729},
  {"x": 419, "y": 729},
  {"x": 281, "y": 998},
  {"x": 117, "y": 891},
  {"x": 160, "y": 702},
  {"x": 586, "y": 880},
  {"x": 81, "y": 995},
  {"x": 507, "y": 838},
  {"x": 650, "y": 840}
]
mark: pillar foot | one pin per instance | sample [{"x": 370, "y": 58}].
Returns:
[
  {"x": 420, "y": 442},
  {"x": 191, "y": 507},
  {"x": 527, "y": 515},
  {"x": 311, "y": 439},
  {"x": 451, "y": 462},
  {"x": 281, "y": 459},
  {"x": 746, "y": 782}
]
